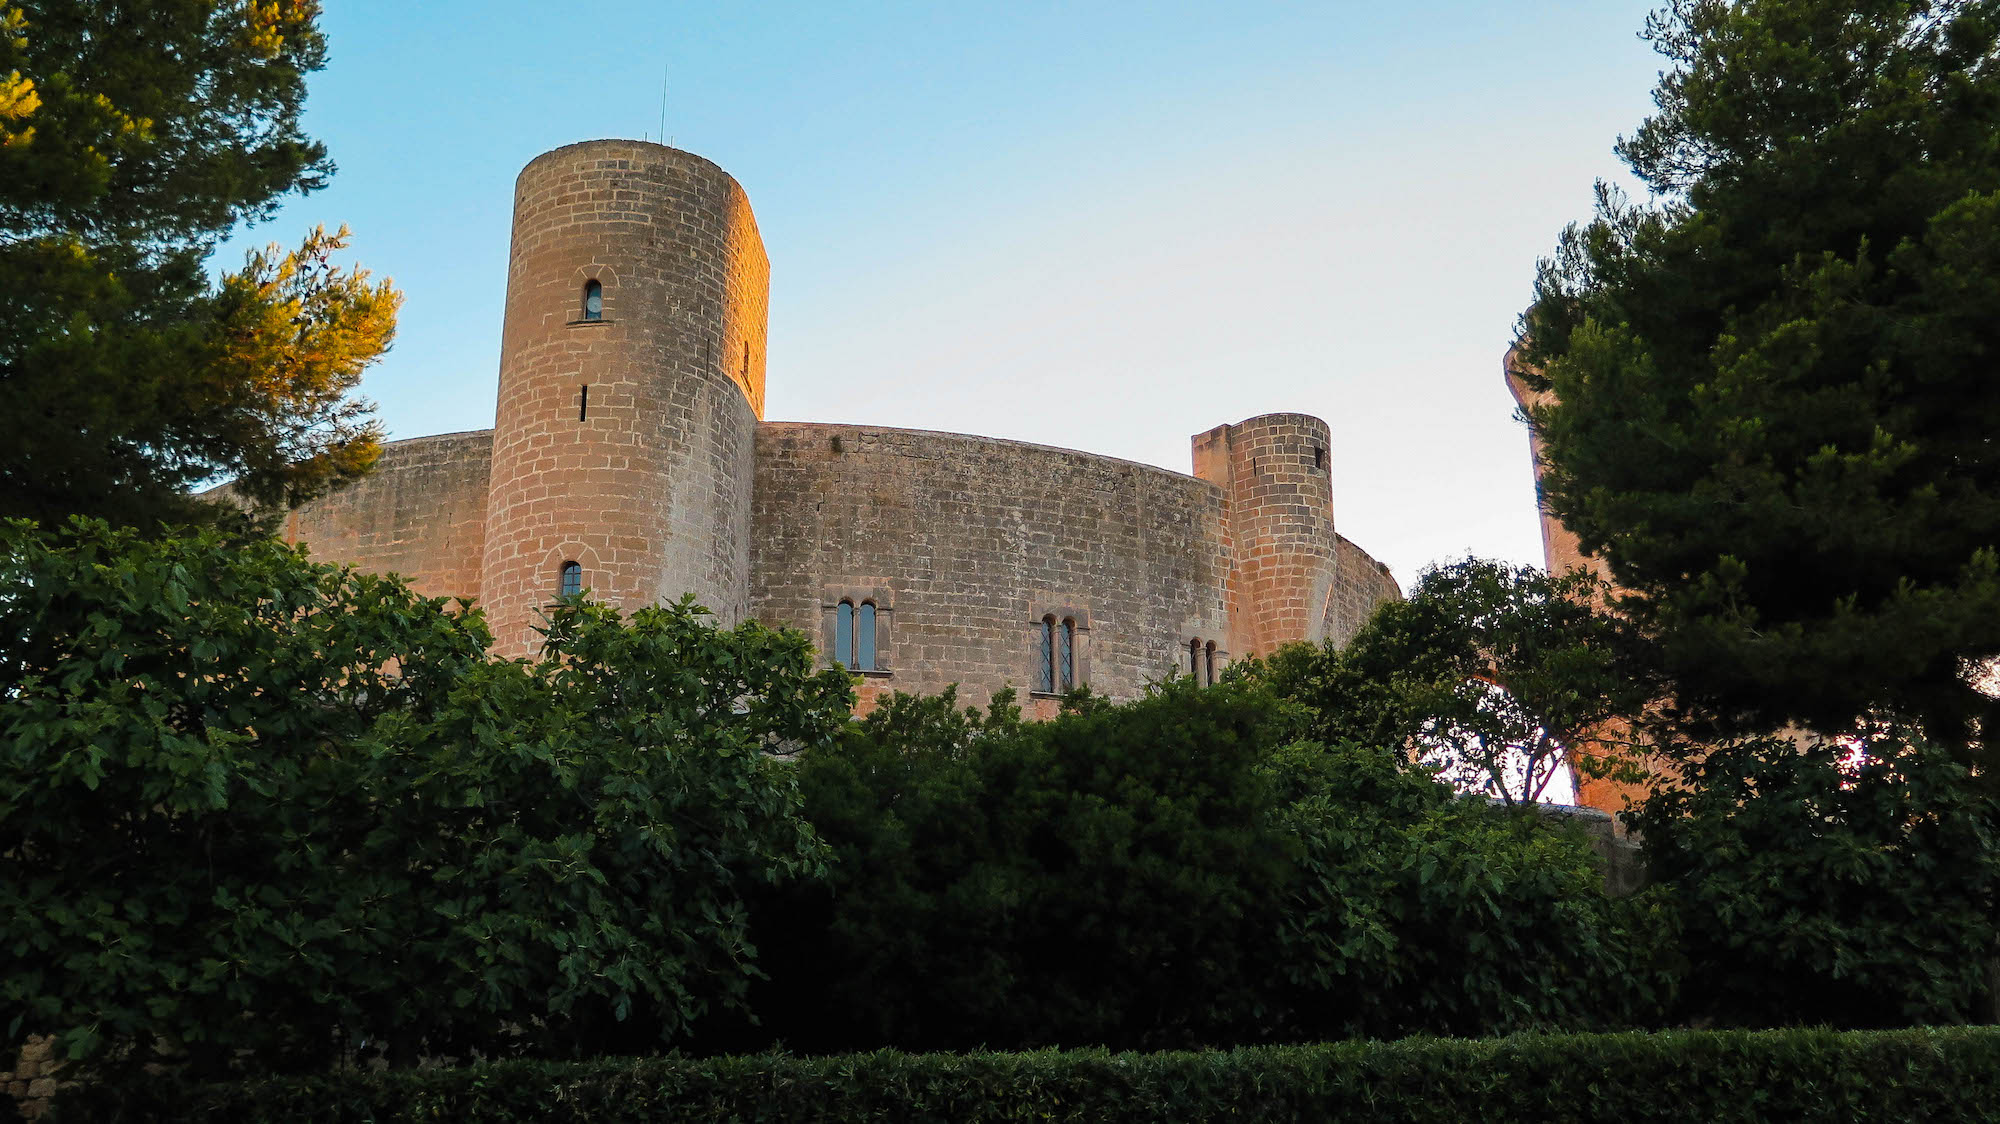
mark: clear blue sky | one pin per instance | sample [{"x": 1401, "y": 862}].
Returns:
[{"x": 1099, "y": 225}]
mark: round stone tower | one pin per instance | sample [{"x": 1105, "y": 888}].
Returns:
[
  {"x": 1276, "y": 473},
  {"x": 631, "y": 382}
]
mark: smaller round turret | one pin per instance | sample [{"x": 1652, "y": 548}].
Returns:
[{"x": 1276, "y": 470}]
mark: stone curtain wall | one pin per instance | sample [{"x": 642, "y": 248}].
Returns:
[
  {"x": 421, "y": 514},
  {"x": 647, "y": 485},
  {"x": 967, "y": 541},
  {"x": 1360, "y": 584}
]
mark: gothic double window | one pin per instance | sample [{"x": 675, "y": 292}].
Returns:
[
  {"x": 854, "y": 635},
  {"x": 1201, "y": 661}
]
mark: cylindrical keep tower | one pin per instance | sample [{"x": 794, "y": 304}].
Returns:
[
  {"x": 631, "y": 381},
  {"x": 1276, "y": 471}
]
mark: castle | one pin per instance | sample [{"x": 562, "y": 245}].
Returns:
[{"x": 629, "y": 458}]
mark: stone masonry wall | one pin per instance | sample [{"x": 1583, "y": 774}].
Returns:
[
  {"x": 966, "y": 542},
  {"x": 421, "y": 514},
  {"x": 1360, "y": 584},
  {"x": 625, "y": 443}
]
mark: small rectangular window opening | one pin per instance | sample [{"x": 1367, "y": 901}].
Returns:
[{"x": 583, "y": 403}]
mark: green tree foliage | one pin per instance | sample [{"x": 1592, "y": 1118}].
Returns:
[
  {"x": 1496, "y": 675},
  {"x": 1821, "y": 886},
  {"x": 133, "y": 137},
  {"x": 1420, "y": 911},
  {"x": 1097, "y": 878},
  {"x": 1168, "y": 872},
  {"x": 261, "y": 811},
  {"x": 1773, "y": 395}
]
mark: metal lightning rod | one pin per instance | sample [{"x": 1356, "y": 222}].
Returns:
[{"x": 664, "y": 72}]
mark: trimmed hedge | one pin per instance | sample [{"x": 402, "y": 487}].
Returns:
[{"x": 1707, "y": 1076}]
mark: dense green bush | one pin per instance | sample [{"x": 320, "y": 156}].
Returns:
[
  {"x": 1167, "y": 873},
  {"x": 1669, "y": 1078},
  {"x": 1821, "y": 886},
  {"x": 1420, "y": 911},
  {"x": 1103, "y": 878},
  {"x": 259, "y": 812}
]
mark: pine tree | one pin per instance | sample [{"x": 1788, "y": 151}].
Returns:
[
  {"x": 134, "y": 136},
  {"x": 1775, "y": 381}
]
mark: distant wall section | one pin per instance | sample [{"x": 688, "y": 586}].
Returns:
[
  {"x": 968, "y": 542},
  {"x": 1360, "y": 584},
  {"x": 421, "y": 514}
]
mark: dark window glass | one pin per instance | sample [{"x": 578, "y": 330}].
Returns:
[
  {"x": 1045, "y": 667},
  {"x": 1210, "y": 653},
  {"x": 1066, "y": 654},
  {"x": 1194, "y": 658},
  {"x": 571, "y": 582},
  {"x": 593, "y": 301},
  {"x": 843, "y": 634},
  {"x": 864, "y": 637}
]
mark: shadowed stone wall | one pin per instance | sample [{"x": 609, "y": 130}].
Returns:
[
  {"x": 1360, "y": 584},
  {"x": 421, "y": 514}
]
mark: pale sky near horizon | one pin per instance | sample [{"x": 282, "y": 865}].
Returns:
[{"x": 1107, "y": 226}]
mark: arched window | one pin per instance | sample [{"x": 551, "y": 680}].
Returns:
[
  {"x": 593, "y": 300},
  {"x": 1210, "y": 653},
  {"x": 1194, "y": 658},
  {"x": 854, "y": 635},
  {"x": 1066, "y": 654},
  {"x": 1045, "y": 667},
  {"x": 570, "y": 580},
  {"x": 864, "y": 637}
]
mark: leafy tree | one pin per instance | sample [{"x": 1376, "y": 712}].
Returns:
[
  {"x": 133, "y": 137},
  {"x": 1496, "y": 675},
  {"x": 1105, "y": 877},
  {"x": 1166, "y": 872},
  {"x": 1773, "y": 402},
  {"x": 268, "y": 813},
  {"x": 1818, "y": 884},
  {"x": 1418, "y": 910}
]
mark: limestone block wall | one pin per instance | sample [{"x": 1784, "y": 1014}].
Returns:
[
  {"x": 624, "y": 442},
  {"x": 421, "y": 514},
  {"x": 1360, "y": 584},
  {"x": 966, "y": 542}
]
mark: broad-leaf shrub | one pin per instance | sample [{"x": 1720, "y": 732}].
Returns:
[
  {"x": 1101, "y": 878},
  {"x": 259, "y": 811},
  {"x": 1419, "y": 911},
  {"x": 1818, "y": 884},
  {"x": 1167, "y": 872}
]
